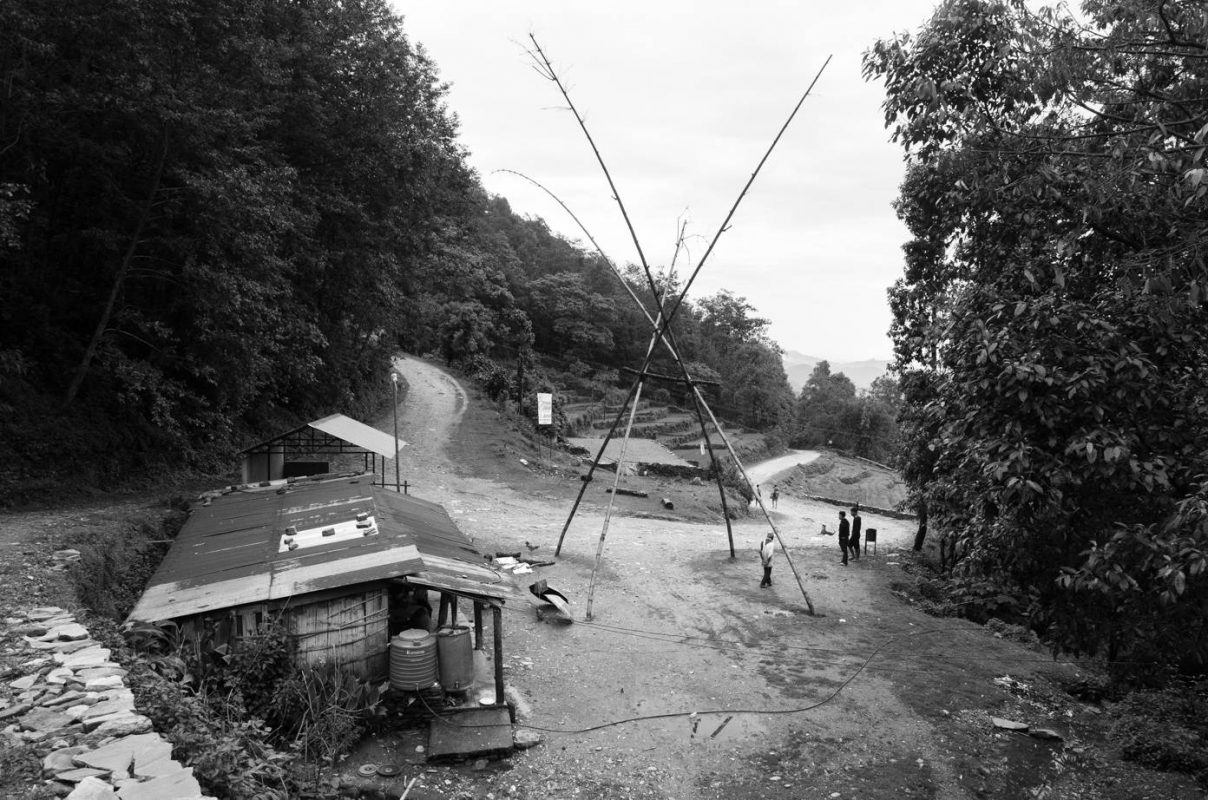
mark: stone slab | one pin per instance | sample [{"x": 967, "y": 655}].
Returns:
[
  {"x": 15, "y": 711},
  {"x": 78, "y": 774},
  {"x": 101, "y": 684},
  {"x": 153, "y": 759},
  {"x": 43, "y": 612},
  {"x": 88, "y": 657},
  {"x": 69, "y": 630},
  {"x": 100, "y": 672},
  {"x": 125, "y": 725},
  {"x": 92, "y": 789},
  {"x": 45, "y": 720},
  {"x": 62, "y": 759},
  {"x": 116, "y": 756},
  {"x": 108, "y": 707},
  {"x": 60, "y": 675},
  {"x": 66, "y": 699},
  {"x": 178, "y": 786},
  {"x": 23, "y": 683}
]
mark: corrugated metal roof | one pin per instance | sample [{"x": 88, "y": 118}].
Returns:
[
  {"x": 358, "y": 433},
  {"x": 227, "y": 553}
]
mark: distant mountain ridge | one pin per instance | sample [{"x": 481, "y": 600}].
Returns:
[{"x": 799, "y": 367}]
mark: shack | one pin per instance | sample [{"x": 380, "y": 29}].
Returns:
[
  {"x": 309, "y": 449},
  {"x": 325, "y": 557}
]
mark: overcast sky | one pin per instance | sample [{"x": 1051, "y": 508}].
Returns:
[{"x": 683, "y": 99}]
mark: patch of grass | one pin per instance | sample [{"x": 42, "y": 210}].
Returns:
[{"x": 115, "y": 565}]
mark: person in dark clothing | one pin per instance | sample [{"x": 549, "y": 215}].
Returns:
[
  {"x": 856, "y": 523},
  {"x": 844, "y": 535},
  {"x": 409, "y": 608}
]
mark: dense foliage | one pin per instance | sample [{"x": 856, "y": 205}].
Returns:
[
  {"x": 1051, "y": 321},
  {"x": 218, "y": 217},
  {"x": 830, "y": 413}
]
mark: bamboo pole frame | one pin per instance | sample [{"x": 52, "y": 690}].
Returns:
[{"x": 662, "y": 326}]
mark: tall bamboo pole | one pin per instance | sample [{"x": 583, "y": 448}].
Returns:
[{"x": 666, "y": 319}]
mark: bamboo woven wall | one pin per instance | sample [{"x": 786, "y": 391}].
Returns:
[{"x": 350, "y": 630}]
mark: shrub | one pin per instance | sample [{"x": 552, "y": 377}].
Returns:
[
  {"x": 323, "y": 710},
  {"x": 113, "y": 569},
  {"x": 227, "y": 748},
  {"x": 250, "y": 668},
  {"x": 1166, "y": 729}
]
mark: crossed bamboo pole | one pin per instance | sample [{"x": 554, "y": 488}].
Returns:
[
  {"x": 697, "y": 399},
  {"x": 662, "y": 332}
]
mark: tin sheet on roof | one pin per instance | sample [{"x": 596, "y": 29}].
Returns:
[
  {"x": 337, "y": 426},
  {"x": 227, "y": 554},
  {"x": 359, "y": 433}
]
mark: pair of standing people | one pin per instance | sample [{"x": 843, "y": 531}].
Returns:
[{"x": 849, "y": 535}]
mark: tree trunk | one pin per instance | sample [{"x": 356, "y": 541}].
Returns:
[
  {"x": 921, "y": 534},
  {"x": 119, "y": 280}
]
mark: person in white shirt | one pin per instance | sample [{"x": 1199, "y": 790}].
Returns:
[{"x": 766, "y": 550}]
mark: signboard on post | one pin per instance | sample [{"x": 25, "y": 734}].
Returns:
[{"x": 545, "y": 408}]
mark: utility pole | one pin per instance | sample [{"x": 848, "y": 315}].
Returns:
[{"x": 398, "y": 483}]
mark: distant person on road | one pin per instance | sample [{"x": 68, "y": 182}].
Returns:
[
  {"x": 856, "y": 523},
  {"x": 766, "y": 551},
  {"x": 844, "y": 536},
  {"x": 775, "y": 495}
]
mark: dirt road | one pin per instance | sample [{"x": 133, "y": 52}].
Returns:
[{"x": 690, "y": 681}]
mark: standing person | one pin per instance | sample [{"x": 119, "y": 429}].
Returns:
[
  {"x": 844, "y": 535},
  {"x": 775, "y": 495},
  {"x": 766, "y": 551},
  {"x": 856, "y": 523}
]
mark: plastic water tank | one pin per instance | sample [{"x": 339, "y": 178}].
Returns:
[
  {"x": 412, "y": 660},
  {"x": 456, "y": 655}
]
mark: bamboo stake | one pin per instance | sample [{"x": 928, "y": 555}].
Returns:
[{"x": 616, "y": 480}]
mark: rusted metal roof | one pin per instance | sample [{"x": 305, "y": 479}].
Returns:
[
  {"x": 338, "y": 431},
  {"x": 229, "y": 553}
]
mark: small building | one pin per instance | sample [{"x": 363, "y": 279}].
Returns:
[
  {"x": 324, "y": 556},
  {"x": 332, "y": 437}
]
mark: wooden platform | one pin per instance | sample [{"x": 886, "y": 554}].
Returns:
[{"x": 463, "y": 733}]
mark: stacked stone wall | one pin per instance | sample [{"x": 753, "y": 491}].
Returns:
[{"x": 72, "y": 705}]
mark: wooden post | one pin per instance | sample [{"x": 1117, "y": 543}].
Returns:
[
  {"x": 497, "y": 618},
  {"x": 443, "y": 612},
  {"x": 478, "y": 626},
  {"x": 452, "y": 611}
]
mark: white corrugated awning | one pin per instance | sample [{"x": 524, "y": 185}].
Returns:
[{"x": 358, "y": 433}]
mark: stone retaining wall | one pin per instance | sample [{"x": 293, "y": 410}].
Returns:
[{"x": 71, "y": 703}]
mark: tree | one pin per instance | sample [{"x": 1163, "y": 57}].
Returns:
[
  {"x": 1053, "y": 289},
  {"x": 209, "y": 213},
  {"x": 762, "y": 397}
]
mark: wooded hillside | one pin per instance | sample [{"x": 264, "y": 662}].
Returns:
[{"x": 219, "y": 218}]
